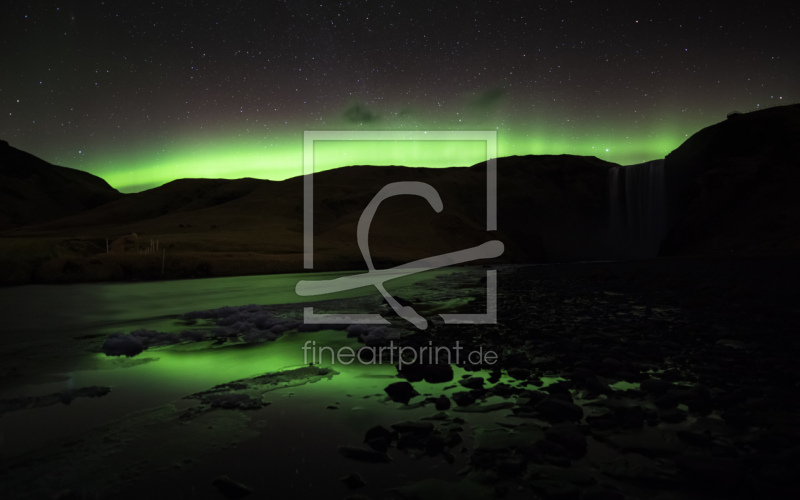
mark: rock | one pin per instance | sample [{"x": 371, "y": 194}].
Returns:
[
  {"x": 702, "y": 407},
  {"x": 656, "y": 386},
  {"x": 119, "y": 344},
  {"x": 601, "y": 424},
  {"x": 229, "y": 488},
  {"x": 472, "y": 382},
  {"x": 701, "y": 392},
  {"x": 581, "y": 373},
  {"x": 378, "y": 438},
  {"x": 72, "y": 495},
  {"x": 380, "y": 444},
  {"x": 504, "y": 390},
  {"x": 572, "y": 475},
  {"x": 434, "y": 445},
  {"x": 442, "y": 403},
  {"x": 410, "y": 441},
  {"x": 700, "y": 439},
  {"x": 611, "y": 365},
  {"x": 93, "y": 391},
  {"x": 531, "y": 397},
  {"x": 401, "y": 392},
  {"x": 560, "y": 390},
  {"x": 630, "y": 417},
  {"x": 431, "y": 373},
  {"x": 501, "y": 439},
  {"x": 635, "y": 468},
  {"x": 666, "y": 401},
  {"x": 437, "y": 374},
  {"x": 596, "y": 384},
  {"x": 738, "y": 419},
  {"x": 377, "y": 431},
  {"x": 551, "y": 448},
  {"x": 511, "y": 466},
  {"x": 600, "y": 493},
  {"x": 464, "y": 398},
  {"x": 719, "y": 470},
  {"x": 519, "y": 373},
  {"x": 649, "y": 347},
  {"x": 570, "y": 437},
  {"x": 672, "y": 416},
  {"x": 453, "y": 438},
  {"x": 364, "y": 455},
  {"x": 485, "y": 408},
  {"x": 418, "y": 428},
  {"x": 232, "y": 401},
  {"x": 555, "y": 490},
  {"x": 649, "y": 441},
  {"x": 353, "y": 481},
  {"x": 442, "y": 415},
  {"x": 557, "y": 410}
]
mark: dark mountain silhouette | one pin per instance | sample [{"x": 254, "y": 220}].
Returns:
[
  {"x": 32, "y": 190},
  {"x": 734, "y": 187},
  {"x": 730, "y": 190},
  {"x": 547, "y": 208}
]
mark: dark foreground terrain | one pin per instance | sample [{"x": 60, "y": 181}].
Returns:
[
  {"x": 650, "y": 379},
  {"x": 677, "y": 379}
]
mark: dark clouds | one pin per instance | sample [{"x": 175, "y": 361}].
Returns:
[
  {"x": 488, "y": 100},
  {"x": 359, "y": 114}
]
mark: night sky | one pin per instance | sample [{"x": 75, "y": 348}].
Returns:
[{"x": 142, "y": 93}]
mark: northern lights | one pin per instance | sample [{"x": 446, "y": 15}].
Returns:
[
  {"x": 284, "y": 159},
  {"x": 145, "y": 93}
]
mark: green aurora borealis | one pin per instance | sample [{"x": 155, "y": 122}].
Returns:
[
  {"x": 283, "y": 158},
  {"x": 142, "y": 93}
]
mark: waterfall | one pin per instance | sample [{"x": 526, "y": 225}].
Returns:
[{"x": 637, "y": 209}]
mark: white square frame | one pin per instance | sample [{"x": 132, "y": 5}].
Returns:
[{"x": 311, "y": 136}]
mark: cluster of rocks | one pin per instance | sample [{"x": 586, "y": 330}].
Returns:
[
  {"x": 608, "y": 384},
  {"x": 623, "y": 390},
  {"x": 234, "y": 325},
  {"x": 63, "y": 397},
  {"x": 249, "y": 393},
  {"x": 433, "y": 436}
]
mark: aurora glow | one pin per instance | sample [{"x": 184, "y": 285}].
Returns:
[
  {"x": 243, "y": 158},
  {"x": 142, "y": 94}
]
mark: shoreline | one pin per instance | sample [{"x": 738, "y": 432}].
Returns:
[
  {"x": 623, "y": 379},
  {"x": 137, "y": 268}
]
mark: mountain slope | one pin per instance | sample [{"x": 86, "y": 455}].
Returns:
[
  {"x": 34, "y": 191},
  {"x": 734, "y": 187},
  {"x": 548, "y": 208},
  {"x": 731, "y": 190}
]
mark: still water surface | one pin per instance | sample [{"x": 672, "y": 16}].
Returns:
[{"x": 50, "y": 329}]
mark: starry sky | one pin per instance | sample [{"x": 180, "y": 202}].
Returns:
[{"x": 142, "y": 93}]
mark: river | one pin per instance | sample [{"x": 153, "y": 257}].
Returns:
[{"x": 52, "y": 333}]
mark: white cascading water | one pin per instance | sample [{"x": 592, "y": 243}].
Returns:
[{"x": 637, "y": 213}]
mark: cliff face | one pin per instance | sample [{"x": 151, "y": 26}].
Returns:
[
  {"x": 554, "y": 208},
  {"x": 734, "y": 187},
  {"x": 34, "y": 191}
]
